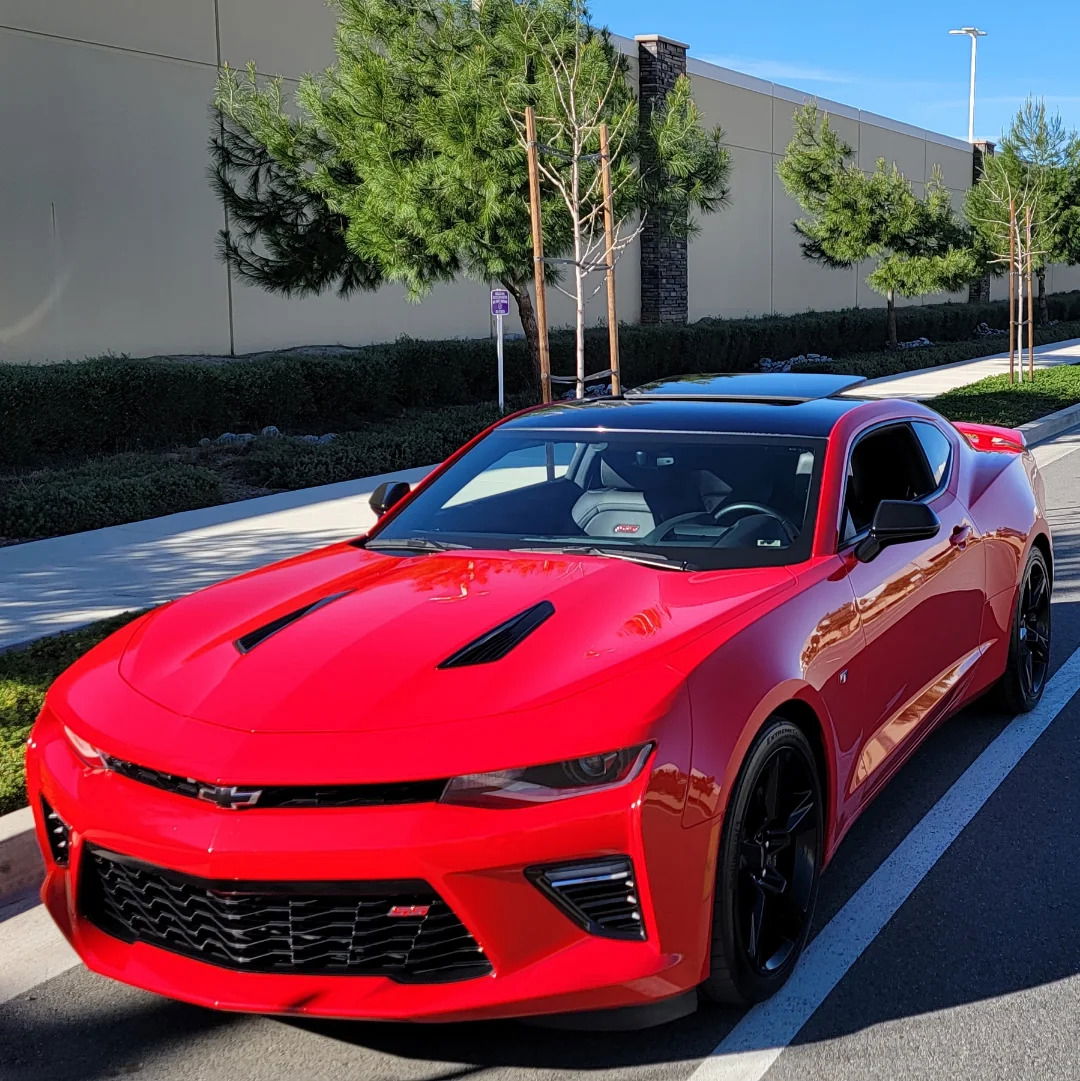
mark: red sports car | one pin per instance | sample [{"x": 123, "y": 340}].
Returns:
[{"x": 575, "y": 727}]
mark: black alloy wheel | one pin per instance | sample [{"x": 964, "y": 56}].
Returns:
[
  {"x": 768, "y": 868},
  {"x": 1028, "y": 667}
]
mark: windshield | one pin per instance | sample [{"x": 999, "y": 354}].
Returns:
[{"x": 700, "y": 500}]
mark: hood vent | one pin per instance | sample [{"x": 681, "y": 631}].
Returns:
[
  {"x": 497, "y": 643},
  {"x": 257, "y": 637}
]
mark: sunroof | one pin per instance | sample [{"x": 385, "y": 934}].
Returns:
[{"x": 776, "y": 387}]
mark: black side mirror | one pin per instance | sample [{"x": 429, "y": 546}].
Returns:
[
  {"x": 387, "y": 495},
  {"x": 897, "y": 521}
]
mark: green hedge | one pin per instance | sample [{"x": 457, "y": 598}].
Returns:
[
  {"x": 420, "y": 438},
  {"x": 895, "y": 361},
  {"x": 126, "y": 488},
  {"x": 66, "y": 411}
]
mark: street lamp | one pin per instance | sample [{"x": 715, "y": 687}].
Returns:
[{"x": 973, "y": 33}]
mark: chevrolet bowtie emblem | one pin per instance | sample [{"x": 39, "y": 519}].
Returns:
[{"x": 229, "y": 797}]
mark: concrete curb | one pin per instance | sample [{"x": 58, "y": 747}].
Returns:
[
  {"x": 1035, "y": 431},
  {"x": 20, "y": 861}
]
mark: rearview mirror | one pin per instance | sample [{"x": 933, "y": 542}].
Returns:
[
  {"x": 387, "y": 495},
  {"x": 897, "y": 521}
]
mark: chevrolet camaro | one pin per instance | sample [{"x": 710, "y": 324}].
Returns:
[{"x": 574, "y": 727}]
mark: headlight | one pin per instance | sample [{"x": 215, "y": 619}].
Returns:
[
  {"x": 94, "y": 758},
  {"x": 545, "y": 784}
]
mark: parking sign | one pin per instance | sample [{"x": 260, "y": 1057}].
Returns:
[{"x": 500, "y": 302}]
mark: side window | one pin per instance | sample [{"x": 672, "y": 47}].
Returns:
[
  {"x": 887, "y": 463},
  {"x": 937, "y": 448}
]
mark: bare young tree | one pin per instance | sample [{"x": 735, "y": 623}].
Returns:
[
  {"x": 579, "y": 89},
  {"x": 1007, "y": 210}
]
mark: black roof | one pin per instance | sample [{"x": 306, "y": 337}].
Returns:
[
  {"x": 765, "y": 404},
  {"x": 756, "y": 386}
]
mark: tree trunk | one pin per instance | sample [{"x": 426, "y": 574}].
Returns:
[
  {"x": 527, "y": 313},
  {"x": 890, "y": 298},
  {"x": 1044, "y": 307}
]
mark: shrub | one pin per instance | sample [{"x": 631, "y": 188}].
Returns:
[
  {"x": 107, "y": 405},
  {"x": 894, "y": 362},
  {"x": 996, "y": 401},
  {"x": 127, "y": 488},
  {"x": 420, "y": 438}
]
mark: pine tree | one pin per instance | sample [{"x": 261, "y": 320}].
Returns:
[
  {"x": 918, "y": 243},
  {"x": 281, "y": 235},
  {"x": 412, "y": 137}
]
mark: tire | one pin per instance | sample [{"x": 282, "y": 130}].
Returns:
[
  {"x": 777, "y": 880},
  {"x": 1021, "y": 687}
]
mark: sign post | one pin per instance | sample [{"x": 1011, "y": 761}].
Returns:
[{"x": 500, "y": 307}]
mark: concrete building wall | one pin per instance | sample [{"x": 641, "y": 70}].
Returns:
[
  {"x": 746, "y": 260},
  {"x": 110, "y": 226}
]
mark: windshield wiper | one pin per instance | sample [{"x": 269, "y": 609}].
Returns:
[
  {"x": 413, "y": 544},
  {"x": 646, "y": 559}
]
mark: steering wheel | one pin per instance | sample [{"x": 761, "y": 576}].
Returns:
[
  {"x": 664, "y": 528},
  {"x": 789, "y": 527}
]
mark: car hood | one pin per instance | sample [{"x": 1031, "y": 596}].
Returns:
[{"x": 369, "y": 660}]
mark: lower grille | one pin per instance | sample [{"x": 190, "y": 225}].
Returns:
[{"x": 402, "y": 930}]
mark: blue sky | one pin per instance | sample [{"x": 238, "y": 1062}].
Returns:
[{"x": 891, "y": 58}]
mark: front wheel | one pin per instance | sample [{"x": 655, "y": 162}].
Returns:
[
  {"x": 768, "y": 868},
  {"x": 1024, "y": 681}
]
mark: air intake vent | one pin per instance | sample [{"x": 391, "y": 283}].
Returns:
[
  {"x": 599, "y": 896},
  {"x": 497, "y": 643},
  {"x": 257, "y": 637},
  {"x": 58, "y": 833}
]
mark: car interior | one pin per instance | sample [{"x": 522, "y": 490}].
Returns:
[
  {"x": 698, "y": 493},
  {"x": 885, "y": 464}
]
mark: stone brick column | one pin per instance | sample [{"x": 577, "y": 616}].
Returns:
[
  {"x": 664, "y": 287},
  {"x": 979, "y": 292}
]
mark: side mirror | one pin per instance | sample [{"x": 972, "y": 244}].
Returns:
[
  {"x": 387, "y": 495},
  {"x": 897, "y": 521}
]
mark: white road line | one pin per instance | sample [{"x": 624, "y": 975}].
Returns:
[
  {"x": 758, "y": 1040},
  {"x": 1053, "y": 450},
  {"x": 33, "y": 951}
]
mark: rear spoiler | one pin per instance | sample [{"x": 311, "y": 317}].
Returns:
[{"x": 990, "y": 437}]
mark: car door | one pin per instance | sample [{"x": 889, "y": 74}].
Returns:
[{"x": 920, "y": 603}]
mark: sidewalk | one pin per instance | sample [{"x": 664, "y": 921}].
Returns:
[
  {"x": 934, "y": 381},
  {"x": 58, "y": 584},
  {"x": 66, "y": 582}
]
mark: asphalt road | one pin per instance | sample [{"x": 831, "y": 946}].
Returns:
[{"x": 976, "y": 975}]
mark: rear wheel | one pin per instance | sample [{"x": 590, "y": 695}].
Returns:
[
  {"x": 768, "y": 868},
  {"x": 1024, "y": 681}
]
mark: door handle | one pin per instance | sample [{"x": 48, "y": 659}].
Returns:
[{"x": 960, "y": 536}]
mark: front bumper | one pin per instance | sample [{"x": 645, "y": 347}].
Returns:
[{"x": 475, "y": 859}]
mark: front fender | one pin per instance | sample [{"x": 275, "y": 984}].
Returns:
[{"x": 791, "y": 658}]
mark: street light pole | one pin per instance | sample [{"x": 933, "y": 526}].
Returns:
[{"x": 974, "y": 33}]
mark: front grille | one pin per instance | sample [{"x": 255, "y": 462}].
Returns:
[
  {"x": 599, "y": 895},
  {"x": 341, "y": 795},
  {"x": 403, "y": 930}
]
